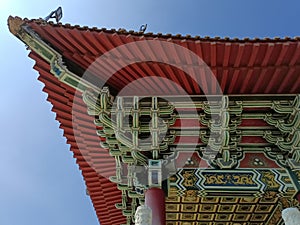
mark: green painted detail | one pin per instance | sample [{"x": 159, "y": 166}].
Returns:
[
  {"x": 124, "y": 123},
  {"x": 75, "y": 83},
  {"x": 222, "y": 137},
  {"x": 30, "y": 38},
  {"x": 281, "y": 131},
  {"x": 128, "y": 209},
  {"x": 135, "y": 123},
  {"x": 154, "y": 128},
  {"x": 288, "y": 120},
  {"x": 287, "y": 135},
  {"x": 42, "y": 50},
  {"x": 282, "y": 107},
  {"x": 36, "y": 44},
  {"x": 121, "y": 127},
  {"x": 125, "y": 134}
]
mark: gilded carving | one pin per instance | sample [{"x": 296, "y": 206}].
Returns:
[
  {"x": 189, "y": 179},
  {"x": 269, "y": 179},
  {"x": 270, "y": 195},
  {"x": 14, "y": 24},
  {"x": 243, "y": 179},
  {"x": 215, "y": 179},
  {"x": 190, "y": 194},
  {"x": 229, "y": 179}
]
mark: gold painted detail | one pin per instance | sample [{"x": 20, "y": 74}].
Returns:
[
  {"x": 190, "y": 179},
  {"x": 198, "y": 183},
  {"x": 222, "y": 210},
  {"x": 229, "y": 179},
  {"x": 14, "y": 24},
  {"x": 252, "y": 183},
  {"x": 269, "y": 179}
]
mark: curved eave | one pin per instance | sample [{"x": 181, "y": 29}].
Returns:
[{"x": 77, "y": 125}]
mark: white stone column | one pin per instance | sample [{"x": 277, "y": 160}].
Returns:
[{"x": 291, "y": 216}]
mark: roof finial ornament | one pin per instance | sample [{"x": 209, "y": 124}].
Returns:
[
  {"x": 143, "y": 28},
  {"x": 57, "y": 14}
]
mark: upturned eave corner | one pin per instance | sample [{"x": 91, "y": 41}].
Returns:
[{"x": 14, "y": 24}]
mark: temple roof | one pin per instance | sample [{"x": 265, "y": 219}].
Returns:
[
  {"x": 151, "y": 34},
  {"x": 240, "y": 67}
]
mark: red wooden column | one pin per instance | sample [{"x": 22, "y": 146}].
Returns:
[
  {"x": 155, "y": 199},
  {"x": 298, "y": 196}
]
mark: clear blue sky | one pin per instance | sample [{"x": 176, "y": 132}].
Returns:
[{"x": 39, "y": 180}]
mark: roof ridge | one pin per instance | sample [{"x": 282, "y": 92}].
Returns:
[{"x": 16, "y": 21}]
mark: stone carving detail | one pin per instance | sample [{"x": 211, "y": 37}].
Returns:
[
  {"x": 143, "y": 215},
  {"x": 291, "y": 216}
]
